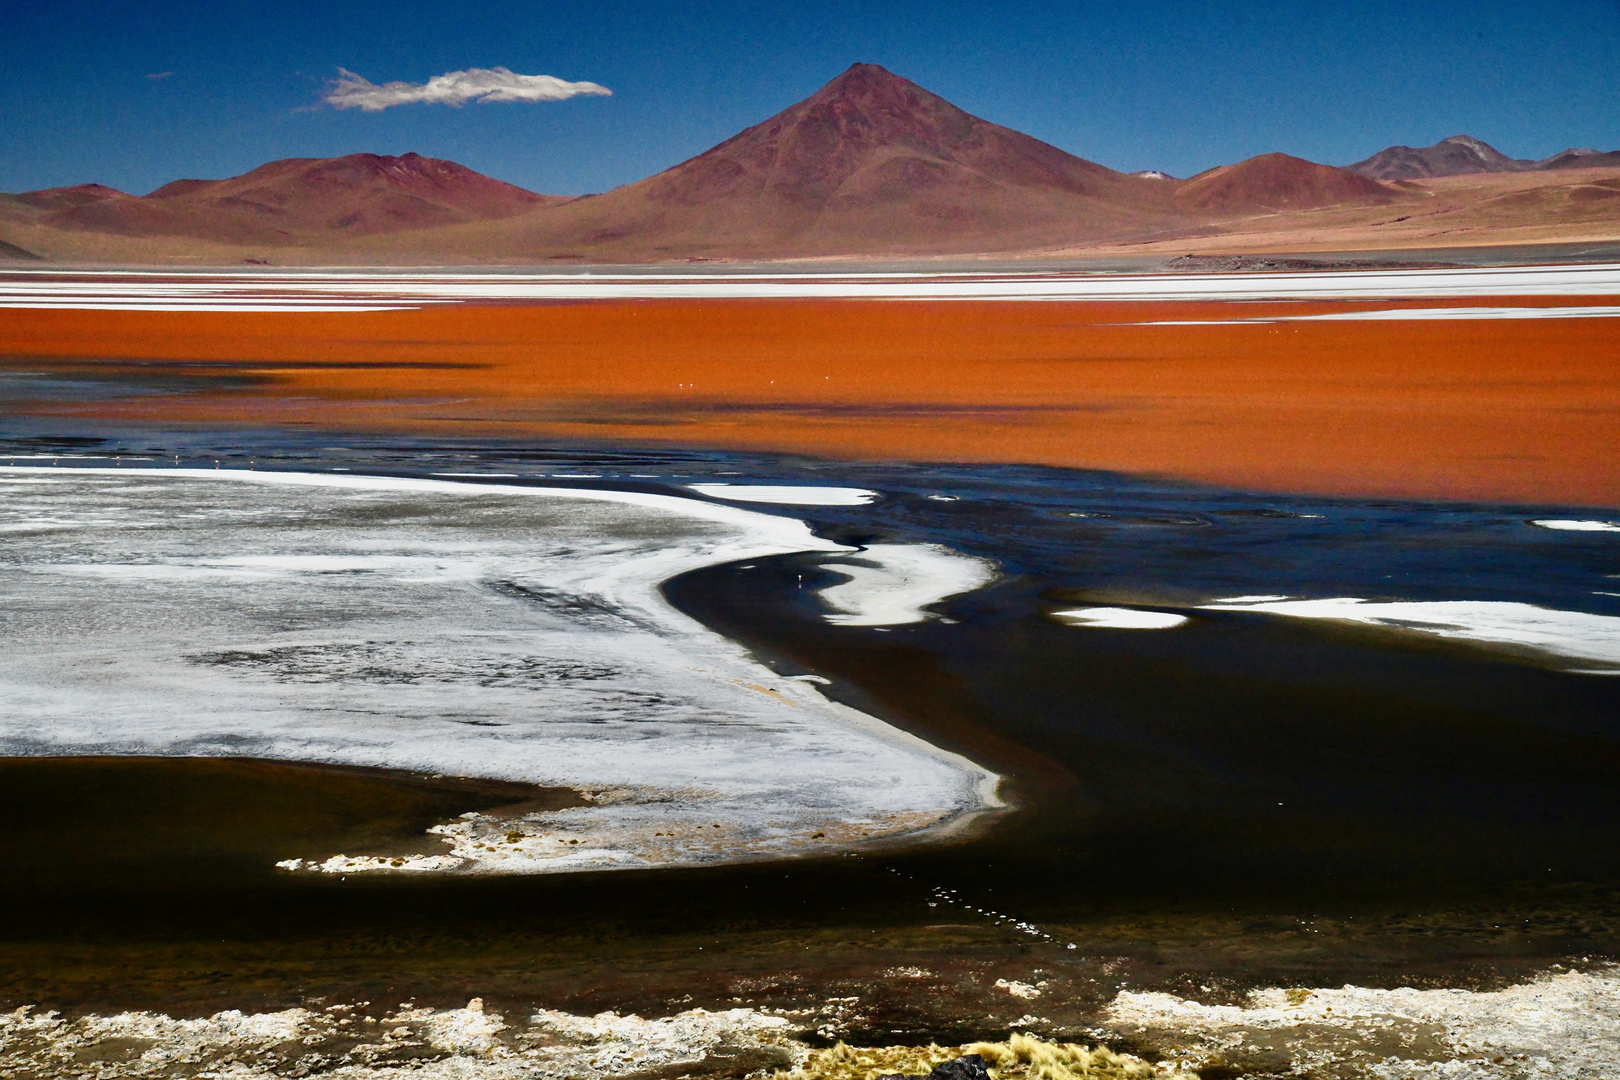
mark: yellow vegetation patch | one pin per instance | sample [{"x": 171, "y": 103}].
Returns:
[{"x": 1021, "y": 1057}]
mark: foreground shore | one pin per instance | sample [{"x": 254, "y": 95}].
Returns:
[{"x": 1558, "y": 1024}]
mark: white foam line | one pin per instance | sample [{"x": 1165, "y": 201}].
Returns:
[
  {"x": 25, "y": 288},
  {"x": 1576, "y": 635},
  {"x": 466, "y": 629},
  {"x": 1405, "y": 314}
]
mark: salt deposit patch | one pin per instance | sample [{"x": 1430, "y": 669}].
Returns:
[
  {"x": 467, "y": 629},
  {"x": 470, "y": 1043},
  {"x": 892, "y": 584},
  {"x": 1575, "y": 635},
  {"x": 787, "y": 494},
  {"x": 1560, "y": 1025},
  {"x": 1113, "y": 618},
  {"x": 325, "y": 290},
  {"x": 1562, "y": 525}
]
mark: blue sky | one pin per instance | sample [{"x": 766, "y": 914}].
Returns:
[{"x": 1174, "y": 86}]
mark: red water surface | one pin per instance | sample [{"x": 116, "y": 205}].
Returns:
[{"x": 1521, "y": 409}]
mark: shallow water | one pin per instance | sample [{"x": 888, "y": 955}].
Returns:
[{"x": 1237, "y": 799}]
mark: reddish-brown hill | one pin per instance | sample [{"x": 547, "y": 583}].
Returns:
[
  {"x": 300, "y": 199},
  {"x": 1278, "y": 182},
  {"x": 32, "y": 206},
  {"x": 869, "y": 163},
  {"x": 51, "y": 200}
]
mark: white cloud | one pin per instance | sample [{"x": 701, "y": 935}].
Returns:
[{"x": 353, "y": 91}]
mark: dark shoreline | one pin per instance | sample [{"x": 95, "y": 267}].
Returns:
[{"x": 154, "y": 824}]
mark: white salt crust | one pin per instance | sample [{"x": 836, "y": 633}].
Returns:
[
  {"x": 893, "y": 584},
  {"x": 1558, "y": 1026},
  {"x": 328, "y": 290},
  {"x": 787, "y": 494},
  {"x": 510, "y": 632},
  {"x": 1574, "y": 635},
  {"x": 1113, "y": 618},
  {"x": 470, "y": 1043},
  {"x": 1565, "y": 525}
]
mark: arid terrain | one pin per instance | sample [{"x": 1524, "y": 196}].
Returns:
[{"x": 871, "y": 165}]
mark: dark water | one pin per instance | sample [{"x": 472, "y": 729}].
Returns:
[{"x": 1244, "y": 799}]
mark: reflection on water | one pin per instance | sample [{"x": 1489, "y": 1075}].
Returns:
[{"x": 1232, "y": 800}]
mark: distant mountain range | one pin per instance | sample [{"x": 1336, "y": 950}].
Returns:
[
  {"x": 869, "y": 165},
  {"x": 1462, "y": 155},
  {"x": 286, "y": 200}
]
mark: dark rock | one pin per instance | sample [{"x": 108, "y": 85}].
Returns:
[{"x": 968, "y": 1067}]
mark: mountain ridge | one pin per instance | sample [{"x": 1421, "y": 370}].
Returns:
[
  {"x": 871, "y": 164},
  {"x": 280, "y": 201},
  {"x": 1464, "y": 155}
]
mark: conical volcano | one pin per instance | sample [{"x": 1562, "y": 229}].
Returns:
[
  {"x": 870, "y": 135},
  {"x": 869, "y": 163}
]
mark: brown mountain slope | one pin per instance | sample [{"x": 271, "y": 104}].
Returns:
[
  {"x": 1459, "y": 155},
  {"x": 39, "y": 205},
  {"x": 13, "y": 252},
  {"x": 1581, "y": 159},
  {"x": 1277, "y": 182},
  {"x": 303, "y": 199},
  {"x": 870, "y": 163}
]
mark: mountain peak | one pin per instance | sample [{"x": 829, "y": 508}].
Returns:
[
  {"x": 871, "y": 137},
  {"x": 869, "y": 161},
  {"x": 1454, "y": 156},
  {"x": 1484, "y": 151},
  {"x": 860, "y": 79}
]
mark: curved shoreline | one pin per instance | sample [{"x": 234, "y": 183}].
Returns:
[{"x": 389, "y": 581}]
